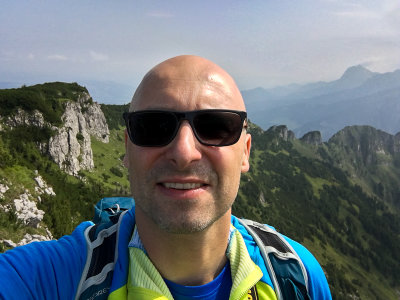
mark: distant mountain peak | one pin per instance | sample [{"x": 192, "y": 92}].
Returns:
[{"x": 357, "y": 73}]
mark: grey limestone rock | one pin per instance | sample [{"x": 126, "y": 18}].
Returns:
[
  {"x": 3, "y": 188},
  {"x": 28, "y": 238},
  {"x": 70, "y": 147},
  {"x": 283, "y": 132},
  {"x": 312, "y": 138},
  {"x": 27, "y": 211},
  {"x": 22, "y": 117}
]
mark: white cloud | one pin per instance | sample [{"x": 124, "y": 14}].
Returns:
[
  {"x": 31, "y": 56},
  {"x": 58, "y": 57},
  {"x": 96, "y": 56}
]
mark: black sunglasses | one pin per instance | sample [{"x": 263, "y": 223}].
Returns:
[{"x": 212, "y": 127}]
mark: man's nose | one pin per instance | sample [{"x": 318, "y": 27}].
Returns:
[{"x": 184, "y": 149}]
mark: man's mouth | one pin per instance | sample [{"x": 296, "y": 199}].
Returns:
[{"x": 182, "y": 186}]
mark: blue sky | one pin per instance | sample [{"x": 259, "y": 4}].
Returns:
[{"x": 261, "y": 43}]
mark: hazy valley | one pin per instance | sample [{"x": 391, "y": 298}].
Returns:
[{"x": 358, "y": 97}]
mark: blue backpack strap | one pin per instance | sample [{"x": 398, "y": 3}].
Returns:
[
  {"x": 108, "y": 207},
  {"x": 284, "y": 266},
  {"x": 102, "y": 243}
]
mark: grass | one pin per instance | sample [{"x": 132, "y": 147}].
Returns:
[
  {"x": 18, "y": 231},
  {"x": 20, "y": 174},
  {"x": 108, "y": 156},
  {"x": 304, "y": 149},
  {"x": 317, "y": 184},
  {"x": 371, "y": 287},
  {"x": 275, "y": 153}
]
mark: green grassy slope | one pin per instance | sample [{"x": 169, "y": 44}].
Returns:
[
  {"x": 21, "y": 161},
  {"x": 354, "y": 236}
]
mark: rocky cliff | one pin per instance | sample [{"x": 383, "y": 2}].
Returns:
[
  {"x": 367, "y": 143},
  {"x": 283, "y": 132},
  {"x": 312, "y": 138},
  {"x": 65, "y": 118},
  {"x": 70, "y": 146}
]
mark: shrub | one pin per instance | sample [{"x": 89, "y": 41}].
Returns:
[
  {"x": 79, "y": 136},
  {"x": 116, "y": 171}
]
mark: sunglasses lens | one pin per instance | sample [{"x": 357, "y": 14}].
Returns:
[
  {"x": 211, "y": 127},
  {"x": 219, "y": 128},
  {"x": 152, "y": 128}
]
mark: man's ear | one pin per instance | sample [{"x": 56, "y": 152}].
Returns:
[{"x": 246, "y": 154}]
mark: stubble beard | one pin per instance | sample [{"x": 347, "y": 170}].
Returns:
[{"x": 181, "y": 217}]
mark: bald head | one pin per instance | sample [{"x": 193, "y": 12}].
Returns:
[
  {"x": 195, "y": 154},
  {"x": 189, "y": 80}
]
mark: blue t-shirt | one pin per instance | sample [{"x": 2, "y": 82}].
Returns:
[{"x": 218, "y": 289}]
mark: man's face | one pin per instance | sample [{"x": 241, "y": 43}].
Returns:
[{"x": 185, "y": 186}]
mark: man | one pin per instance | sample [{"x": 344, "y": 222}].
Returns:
[{"x": 186, "y": 147}]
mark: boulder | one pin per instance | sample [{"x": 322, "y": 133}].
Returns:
[{"x": 27, "y": 211}]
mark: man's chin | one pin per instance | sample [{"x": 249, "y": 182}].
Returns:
[
  {"x": 184, "y": 227},
  {"x": 183, "y": 224}
]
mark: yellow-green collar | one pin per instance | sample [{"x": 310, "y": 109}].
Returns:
[{"x": 145, "y": 282}]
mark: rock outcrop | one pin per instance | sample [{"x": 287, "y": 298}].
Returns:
[
  {"x": 367, "y": 139},
  {"x": 283, "y": 132},
  {"x": 3, "y": 188},
  {"x": 27, "y": 211},
  {"x": 22, "y": 117},
  {"x": 28, "y": 238},
  {"x": 70, "y": 146},
  {"x": 366, "y": 143},
  {"x": 312, "y": 138},
  {"x": 42, "y": 187}
]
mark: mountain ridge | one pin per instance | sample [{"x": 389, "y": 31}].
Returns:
[{"x": 307, "y": 107}]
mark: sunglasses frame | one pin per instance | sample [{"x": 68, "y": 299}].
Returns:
[{"x": 189, "y": 116}]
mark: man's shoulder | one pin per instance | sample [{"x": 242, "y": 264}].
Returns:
[
  {"x": 317, "y": 283},
  {"x": 47, "y": 263},
  {"x": 301, "y": 250}
]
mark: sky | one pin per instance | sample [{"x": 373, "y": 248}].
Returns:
[{"x": 261, "y": 43}]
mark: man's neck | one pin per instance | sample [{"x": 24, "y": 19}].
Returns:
[{"x": 187, "y": 259}]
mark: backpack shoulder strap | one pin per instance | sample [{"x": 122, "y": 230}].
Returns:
[
  {"x": 284, "y": 266},
  {"x": 102, "y": 254},
  {"x": 102, "y": 247}
]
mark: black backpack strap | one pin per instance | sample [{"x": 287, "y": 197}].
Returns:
[
  {"x": 102, "y": 254},
  {"x": 284, "y": 266}
]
